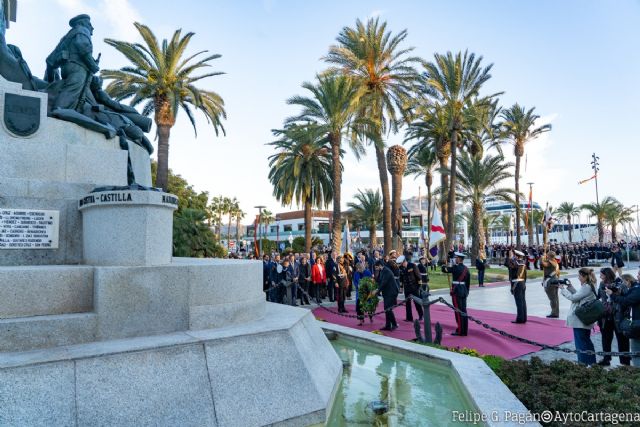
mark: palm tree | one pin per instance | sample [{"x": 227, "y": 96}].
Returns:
[
  {"x": 397, "y": 164},
  {"x": 240, "y": 214},
  {"x": 431, "y": 132},
  {"x": 519, "y": 127},
  {"x": 332, "y": 107},
  {"x": 301, "y": 170},
  {"x": 489, "y": 222},
  {"x": 616, "y": 214},
  {"x": 218, "y": 207},
  {"x": 456, "y": 82},
  {"x": 368, "y": 211},
  {"x": 477, "y": 179},
  {"x": 163, "y": 79},
  {"x": 568, "y": 209},
  {"x": 267, "y": 218},
  {"x": 233, "y": 207},
  {"x": 387, "y": 79},
  {"x": 423, "y": 161},
  {"x": 599, "y": 210},
  {"x": 505, "y": 224}
]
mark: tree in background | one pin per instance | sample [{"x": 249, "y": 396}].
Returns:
[
  {"x": 301, "y": 170},
  {"x": 331, "y": 108},
  {"x": 397, "y": 164},
  {"x": 616, "y": 213},
  {"x": 567, "y": 210},
  {"x": 599, "y": 210},
  {"x": 164, "y": 80},
  {"x": 455, "y": 81},
  {"x": 387, "y": 80},
  {"x": 478, "y": 179},
  {"x": 367, "y": 209},
  {"x": 423, "y": 161},
  {"x": 519, "y": 128}
]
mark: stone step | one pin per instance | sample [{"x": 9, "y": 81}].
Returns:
[
  {"x": 45, "y": 290},
  {"x": 29, "y": 333}
]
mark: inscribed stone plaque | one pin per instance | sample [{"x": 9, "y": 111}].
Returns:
[{"x": 29, "y": 229}]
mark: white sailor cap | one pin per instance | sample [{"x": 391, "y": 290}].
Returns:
[
  {"x": 519, "y": 253},
  {"x": 400, "y": 259},
  {"x": 459, "y": 254}
]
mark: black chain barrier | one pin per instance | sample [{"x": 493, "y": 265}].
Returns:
[{"x": 484, "y": 325}]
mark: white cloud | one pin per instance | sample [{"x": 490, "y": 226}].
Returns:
[
  {"x": 120, "y": 15},
  {"x": 75, "y": 7}
]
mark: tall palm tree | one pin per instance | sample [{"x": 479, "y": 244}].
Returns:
[
  {"x": 477, "y": 179},
  {"x": 505, "y": 224},
  {"x": 456, "y": 81},
  {"x": 431, "y": 132},
  {"x": 368, "y": 211},
  {"x": 616, "y": 214},
  {"x": 568, "y": 210},
  {"x": 233, "y": 207},
  {"x": 537, "y": 216},
  {"x": 161, "y": 77},
  {"x": 267, "y": 218},
  {"x": 519, "y": 127},
  {"x": 240, "y": 214},
  {"x": 489, "y": 222},
  {"x": 385, "y": 73},
  {"x": 423, "y": 162},
  {"x": 301, "y": 170},
  {"x": 397, "y": 164},
  {"x": 599, "y": 210},
  {"x": 332, "y": 107}
]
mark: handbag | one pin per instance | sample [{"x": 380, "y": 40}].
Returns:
[
  {"x": 630, "y": 328},
  {"x": 590, "y": 311}
]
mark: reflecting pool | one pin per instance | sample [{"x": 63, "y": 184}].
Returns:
[{"x": 383, "y": 388}]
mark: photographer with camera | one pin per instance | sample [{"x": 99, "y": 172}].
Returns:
[
  {"x": 630, "y": 301},
  {"x": 613, "y": 314},
  {"x": 586, "y": 293}
]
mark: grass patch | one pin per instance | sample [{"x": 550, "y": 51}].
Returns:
[{"x": 438, "y": 280}]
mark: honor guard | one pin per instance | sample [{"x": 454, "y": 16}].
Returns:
[
  {"x": 410, "y": 278},
  {"x": 460, "y": 284},
  {"x": 518, "y": 275}
]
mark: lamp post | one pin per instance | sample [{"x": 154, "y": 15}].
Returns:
[
  {"x": 594, "y": 166},
  {"x": 259, "y": 231}
]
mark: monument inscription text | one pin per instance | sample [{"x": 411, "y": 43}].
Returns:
[{"x": 29, "y": 229}]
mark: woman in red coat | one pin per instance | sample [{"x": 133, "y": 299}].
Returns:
[{"x": 318, "y": 278}]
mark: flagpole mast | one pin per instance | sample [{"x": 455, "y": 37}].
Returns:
[{"x": 594, "y": 166}]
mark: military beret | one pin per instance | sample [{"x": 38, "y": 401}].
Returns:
[{"x": 73, "y": 21}]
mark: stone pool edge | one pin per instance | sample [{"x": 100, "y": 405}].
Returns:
[{"x": 484, "y": 388}]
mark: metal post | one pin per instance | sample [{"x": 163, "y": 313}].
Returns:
[
  {"x": 426, "y": 315},
  {"x": 594, "y": 166}
]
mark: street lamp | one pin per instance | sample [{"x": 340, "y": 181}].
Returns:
[
  {"x": 259, "y": 231},
  {"x": 594, "y": 166}
]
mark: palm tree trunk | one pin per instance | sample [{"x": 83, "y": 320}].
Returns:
[
  {"x": 428, "y": 210},
  {"x": 238, "y": 230},
  {"x": 517, "y": 176},
  {"x": 570, "y": 228},
  {"x": 476, "y": 220},
  {"x": 444, "y": 204},
  {"x": 336, "y": 230},
  {"x": 600, "y": 231},
  {"x": 614, "y": 236},
  {"x": 373, "y": 236},
  {"x": 396, "y": 212},
  {"x": 229, "y": 232},
  {"x": 386, "y": 199},
  {"x": 162, "y": 174},
  {"x": 307, "y": 225},
  {"x": 451, "y": 203}
]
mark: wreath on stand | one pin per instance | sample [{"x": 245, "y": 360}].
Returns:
[{"x": 367, "y": 298}]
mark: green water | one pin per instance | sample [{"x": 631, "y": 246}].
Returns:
[{"x": 418, "y": 393}]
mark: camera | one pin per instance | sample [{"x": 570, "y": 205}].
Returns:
[{"x": 559, "y": 282}]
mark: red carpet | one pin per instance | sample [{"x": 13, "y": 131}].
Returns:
[{"x": 543, "y": 330}]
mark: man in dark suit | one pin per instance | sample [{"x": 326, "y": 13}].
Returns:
[
  {"x": 332, "y": 275},
  {"x": 389, "y": 289}
]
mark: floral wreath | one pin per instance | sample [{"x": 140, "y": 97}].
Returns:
[{"x": 367, "y": 298}]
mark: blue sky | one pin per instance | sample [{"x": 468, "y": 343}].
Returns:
[{"x": 576, "y": 61}]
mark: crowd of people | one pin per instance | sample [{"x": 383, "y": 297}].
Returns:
[{"x": 318, "y": 277}]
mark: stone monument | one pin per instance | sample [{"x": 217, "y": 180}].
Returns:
[{"x": 99, "y": 324}]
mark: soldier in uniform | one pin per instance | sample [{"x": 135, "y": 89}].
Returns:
[
  {"x": 518, "y": 274},
  {"x": 551, "y": 270},
  {"x": 423, "y": 270},
  {"x": 410, "y": 278},
  {"x": 460, "y": 284}
]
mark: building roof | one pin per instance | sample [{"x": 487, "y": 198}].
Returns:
[{"x": 283, "y": 216}]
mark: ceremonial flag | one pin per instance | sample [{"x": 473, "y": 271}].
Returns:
[
  {"x": 588, "y": 179},
  {"x": 548, "y": 219},
  {"x": 437, "y": 232},
  {"x": 346, "y": 237}
]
